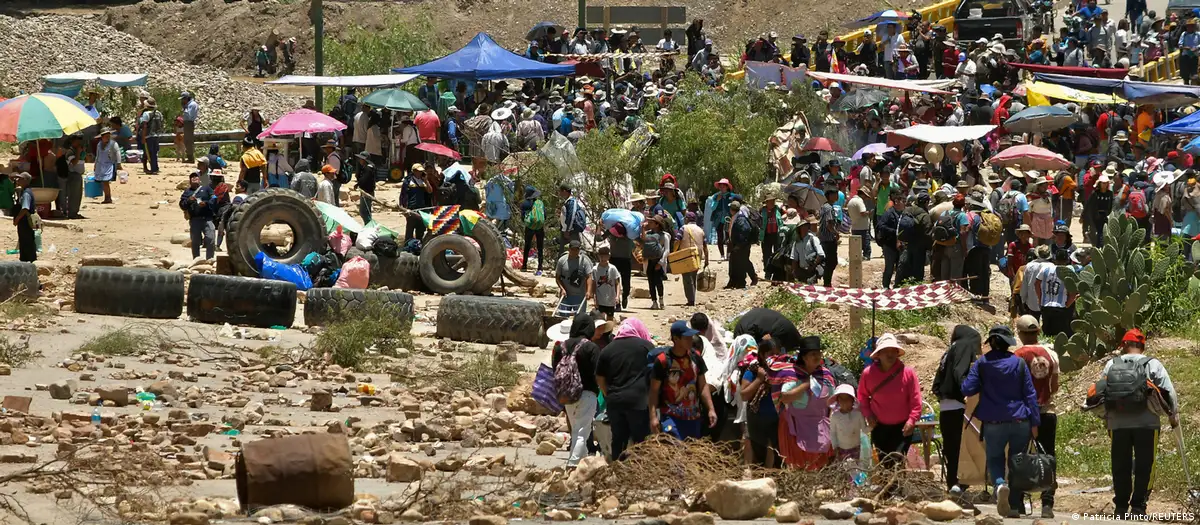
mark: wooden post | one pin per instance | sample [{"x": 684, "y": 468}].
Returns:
[{"x": 856, "y": 279}]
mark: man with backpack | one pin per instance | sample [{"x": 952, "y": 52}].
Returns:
[
  {"x": 980, "y": 229},
  {"x": 1011, "y": 208},
  {"x": 533, "y": 214},
  {"x": 742, "y": 234},
  {"x": 887, "y": 234},
  {"x": 948, "y": 233},
  {"x": 573, "y": 220},
  {"x": 677, "y": 387},
  {"x": 1136, "y": 392},
  {"x": 914, "y": 234},
  {"x": 1044, "y": 368}
]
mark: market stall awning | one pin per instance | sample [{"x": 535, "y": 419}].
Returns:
[
  {"x": 70, "y": 84},
  {"x": 1189, "y": 125},
  {"x": 1092, "y": 72},
  {"x": 121, "y": 80},
  {"x": 1039, "y": 94},
  {"x": 483, "y": 59},
  {"x": 356, "y": 81},
  {"x": 908, "y": 298},
  {"x": 1161, "y": 95},
  {"x": 943, "y": 134},
  {"x": 923, "y": 86}
]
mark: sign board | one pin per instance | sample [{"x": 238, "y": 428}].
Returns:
[{"x": 649, "y": 21}]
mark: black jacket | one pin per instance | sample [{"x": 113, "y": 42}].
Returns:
[{"x": 965, "y": 345}]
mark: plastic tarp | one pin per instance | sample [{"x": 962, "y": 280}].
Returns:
[
  {"x": 122, "y": 80},
  {"x": 561, "y": 153},
  {"x": 923, "y": 86},
  {"x": 759, "y": 74},
  {"x": 1161, "y": 95},
  {"x": 358, "y": 81},
  {"x": 484, "y": 59},
  {"x": 1189, "y": 125},
  {"x": 632, "y": 221},
  {"x": 1093, "y": 72},
  {"x": 335, "y": 216},
  {"x": 943, "y": 134},
  {"x": 1039, "y": 94}
]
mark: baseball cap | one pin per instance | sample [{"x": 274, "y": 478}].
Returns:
[
  {"x": 681, "y": 329},
  {"x": 1027, "y": 323},
  {"x": 1003, "y": 334},
  {"x": 1134, "y": 336},
  {"x": 574, "y": 245}
]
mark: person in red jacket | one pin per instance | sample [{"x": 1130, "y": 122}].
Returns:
[{"x": 889, "y": 394}]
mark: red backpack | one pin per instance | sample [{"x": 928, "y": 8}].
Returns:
[{"x": 1136, "y": 206}]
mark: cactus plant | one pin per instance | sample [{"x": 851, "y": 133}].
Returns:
[{"x": 1112, "y": 291}]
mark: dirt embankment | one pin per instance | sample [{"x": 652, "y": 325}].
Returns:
[{"x": 216, "y": 33}]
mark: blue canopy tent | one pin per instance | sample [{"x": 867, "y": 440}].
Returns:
[
  {"x": 1161, "y": 95},
  {"x": 484, "y": 59},
  {"x": 1189, "y": 125}
]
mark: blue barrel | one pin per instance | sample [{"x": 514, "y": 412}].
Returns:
[{"x": 91, "y": 188}]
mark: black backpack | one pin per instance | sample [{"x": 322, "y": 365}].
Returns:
[
  {"x": 755, "y": 219},
  {"x": 841, "y": 374},
  {"x": 1126, "y": 386},
  {"x": 945, "y": 231},
  {"x": 907, "y": 229},
  {"x": 346, "y": 172},
  {"x": 386, "y": 246}
]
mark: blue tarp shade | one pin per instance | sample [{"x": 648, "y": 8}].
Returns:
[
  {"x": 1189, "y": 125},
  {"x": 70, "y": 84},
  {"x": 484, "y": 59},
  {"x": 1161, "y": 95}
]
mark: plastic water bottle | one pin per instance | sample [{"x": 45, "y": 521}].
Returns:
[{"x": 96, "y": 416}]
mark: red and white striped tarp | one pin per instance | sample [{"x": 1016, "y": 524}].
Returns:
[
  {"x": 619, "y": 54},
  {"x": 910, "y": 298}
]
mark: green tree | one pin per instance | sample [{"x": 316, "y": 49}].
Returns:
[
  {"x": 707, "y": 135},
  {"x": 402, "y": 42}
]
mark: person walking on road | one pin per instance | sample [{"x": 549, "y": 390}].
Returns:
[
  {"x": 965, "y": 347},
  {"x": 1043, "y": 366},
  {"x": 1136, "y": 392},
  {"x": 198, "y": 207},
  {"x": 1008, "y": 409}
]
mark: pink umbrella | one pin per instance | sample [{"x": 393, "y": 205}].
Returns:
[
  {"x": 821, "y": 144},
  {"x": 1031, "y": 158},
  {"x": 302, "y": 121},
  {"x": 438, "y": 149}
]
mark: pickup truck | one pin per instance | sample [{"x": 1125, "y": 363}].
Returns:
[{"x": 1012, "y": 19}]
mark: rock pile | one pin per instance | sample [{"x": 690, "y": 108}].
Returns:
[{"x": 44, "y": 45}]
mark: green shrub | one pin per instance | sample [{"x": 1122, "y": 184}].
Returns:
[
  {"x": 17, "y": 354},
  {"x": 480, "y": 373},
  {"x": 357, "y": 335},
  {"x": 1171, "y": 304},
  {"x": 402, "y": 42},
  {"x": 129, "y": 340}
]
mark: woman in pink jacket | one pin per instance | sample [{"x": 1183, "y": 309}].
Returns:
[{"x": 890, "y": 397}]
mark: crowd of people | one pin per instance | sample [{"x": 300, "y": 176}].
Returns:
[{"x": 776, "y": 394}]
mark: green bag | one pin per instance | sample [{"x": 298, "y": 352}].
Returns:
[{"x": 536, "y": 218}]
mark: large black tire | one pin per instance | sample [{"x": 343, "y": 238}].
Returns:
[
  {"x": 241, "y": 301},
  {"x": 491, "y": 320},
  {"x": 394, "y": 273},
  {"x": 129, "y": 292},
  {"x": 433, "y": 257},
  {"x": 262, "y": 208},
  {"x": 18, "y": 278},
  {"x": 322, "y": 305},
  {"x": 491, "y": 254}
]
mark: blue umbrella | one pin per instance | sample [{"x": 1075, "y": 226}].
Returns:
[
  {"x": 1039, "y": 119},
  {"x": 1193, "y": 146},
  {"x": 882, "y": 17}
]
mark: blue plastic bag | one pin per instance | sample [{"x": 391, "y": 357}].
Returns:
[
  {"x": 632, "y": 221},
  {"x": 269, "y": 268}
]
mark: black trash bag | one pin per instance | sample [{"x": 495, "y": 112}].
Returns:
[
  {"x": 1032, "y": 471},
  {"x": 386, "y": 246}
]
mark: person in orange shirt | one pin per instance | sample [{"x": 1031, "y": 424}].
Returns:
[
  {"x": 1142, "y": 127},
  {"x": 1066, "y": 184}
]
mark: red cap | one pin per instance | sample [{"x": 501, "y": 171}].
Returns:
[
  {"x": 959, "y": 200},
  {"x": 1172, "y": 155},
  {"x": 1134, "y": 336}
]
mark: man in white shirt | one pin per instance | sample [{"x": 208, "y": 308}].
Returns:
[
  {"x": 966, "y": 72},
  {"x": 325, "y": 190},
  {"x": 860, "y": 216},
  {"x": 360, "y": 130},
  {"x": 890, "y": 43},
  {"x": 1030, "y": 287},
  {"x": 1058, "y": 306}
]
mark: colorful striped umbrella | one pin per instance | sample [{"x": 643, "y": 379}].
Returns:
[{"x": 41, "y": 116}]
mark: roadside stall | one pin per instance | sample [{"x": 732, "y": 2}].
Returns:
[{"x": 37, "y": 119}]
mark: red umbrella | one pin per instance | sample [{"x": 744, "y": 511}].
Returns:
[
  {"x": 1031, "y": 158},
  {"x": 438, "y": 149},
  {"x": 821, "y": 144}
]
